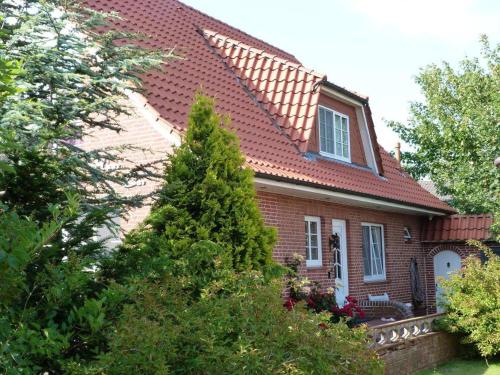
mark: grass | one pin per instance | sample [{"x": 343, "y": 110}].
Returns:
[{"x": 462, "y": 367}]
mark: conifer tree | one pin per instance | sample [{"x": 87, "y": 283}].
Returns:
[
  {"x": 208, "y": 194},
  {"x": 68, "y": 81}
]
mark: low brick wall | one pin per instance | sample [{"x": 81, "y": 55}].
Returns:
[
  {"x": 419, "y": 353},
  {"x": 387, "y": 309}
]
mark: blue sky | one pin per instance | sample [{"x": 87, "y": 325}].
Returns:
[{"x": 372, "y": 47}]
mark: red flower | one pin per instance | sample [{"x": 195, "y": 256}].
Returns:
[
  {"x": 322, "y": 325},
  {"x": 362, "y": 314},
  {"x": 311, "y": 303},
  {"x": 289, "y": 304},
  {"x": 351, "y": 299}
]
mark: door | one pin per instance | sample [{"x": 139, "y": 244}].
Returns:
[
  {"x": 445, "y": 263},
  {"x": 340, "y": 262}
]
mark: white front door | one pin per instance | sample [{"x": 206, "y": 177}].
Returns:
[
  {"x": 340, "y": 262},
  {"x": 445, "y": 263}
]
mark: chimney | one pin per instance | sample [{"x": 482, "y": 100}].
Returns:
[{"x": 398, "y": 152}]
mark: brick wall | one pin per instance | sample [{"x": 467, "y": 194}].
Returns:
[
  {"x": 141, "y": 130},
  {"x": 420, "y": 353},
  {"x": 286, "y": 213},
  {"x": 431, "y": 249}
]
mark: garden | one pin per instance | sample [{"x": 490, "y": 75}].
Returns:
[{"x": 194, "y": 288}]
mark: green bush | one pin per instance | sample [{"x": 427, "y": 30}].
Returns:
[
  {"x": 472, "y": 300},
  {"x": 243, "y": 331}
]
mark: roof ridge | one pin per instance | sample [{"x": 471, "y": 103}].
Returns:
[
  {"x": 225, "y": 39},
  {"x": 237, "y": 29}
]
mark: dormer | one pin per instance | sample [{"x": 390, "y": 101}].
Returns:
[
  {"x": 315, "y": 115},
  {"x": 341, "y": 131}
]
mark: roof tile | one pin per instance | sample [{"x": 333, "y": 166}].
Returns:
[
  {"x": 458, "y": 228},
  {"x": 269, "y": 95}
]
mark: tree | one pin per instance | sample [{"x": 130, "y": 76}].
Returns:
[
  {"x": 455, "y": 131},
  {"x": 72, "y": 80},
  {"x": 208, "y": 194},
  {"x": 472, "y": 301}
]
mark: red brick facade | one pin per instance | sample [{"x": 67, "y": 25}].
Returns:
[{"x": 286, "y": 213}]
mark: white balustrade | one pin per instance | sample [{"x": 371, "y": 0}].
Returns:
[{"x": 399, "y": 331}]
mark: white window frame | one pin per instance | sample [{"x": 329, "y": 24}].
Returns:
[
  {"x": 381, "y": 277},
  {"x": 327, "y": 154},
  {"x": 314, "y": 262}
]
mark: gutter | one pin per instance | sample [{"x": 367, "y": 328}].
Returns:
[
  {"x": 372, "y": 199},
  {"x": 345, "y": 92}
]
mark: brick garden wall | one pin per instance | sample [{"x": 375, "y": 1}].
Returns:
[
  {"x": 420, "y": 353},
  {"x": 286, "y": 213}
]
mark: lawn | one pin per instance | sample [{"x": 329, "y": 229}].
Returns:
[{"x": 460, "y": 367}]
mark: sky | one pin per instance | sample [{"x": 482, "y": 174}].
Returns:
[{"x": 373, "y": 47}]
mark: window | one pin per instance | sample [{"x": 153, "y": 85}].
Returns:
[
  {"x": 334, "y": 134},
  {"x": 407, "y": 234},
  {"x": 313, "y": 241},
  {"x": 373, "y": 252}
]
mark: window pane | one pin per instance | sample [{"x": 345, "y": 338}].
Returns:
[
  {"x": 367, "y": 251},
  {"x": 314, "y": 240},
  {"x": 377, "y": 250},
  {"x": 329, "y": 133},
  {"x": 339, "y": 149},
  {"x": 344, "y": 124},
  {"x": 314, "y": 227},
  {"x": 345, "y": 151},
  {"x": 337, "y": 122},
  {"x": 314, "y": 253},
  {"x": 322, "y": 130}
]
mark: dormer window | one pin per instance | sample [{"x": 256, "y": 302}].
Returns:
[{"x": 334, "y": 134}]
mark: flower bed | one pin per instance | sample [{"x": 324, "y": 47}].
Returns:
[{"x": 317, "y": 300}]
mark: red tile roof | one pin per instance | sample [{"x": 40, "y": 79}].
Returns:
[
  {"x": 286, "y": 90},
  {"x": 458, "y": 228},
  {"x": 234, "y": 67}
]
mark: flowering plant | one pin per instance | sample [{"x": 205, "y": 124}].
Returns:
[
  {"x": 317, "y": 300},
  {"x": 350, "y": 310}
]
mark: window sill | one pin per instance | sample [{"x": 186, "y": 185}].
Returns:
[
  {"x": 314, "y": 266},
  {"x": 375, "y": 281},
  {"x": 335, "y": 157}
]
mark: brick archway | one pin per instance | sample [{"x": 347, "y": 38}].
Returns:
[
  {"x": 443, "y": 247},
  {"x": 429, "y": 271}
]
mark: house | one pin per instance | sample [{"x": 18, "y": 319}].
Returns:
[
  {"x": 312, "y": 145},
  {"x": 430, "y": 186}
]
